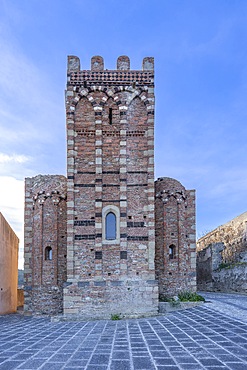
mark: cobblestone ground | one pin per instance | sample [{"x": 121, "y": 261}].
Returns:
[{"x": 194, "y": 339}]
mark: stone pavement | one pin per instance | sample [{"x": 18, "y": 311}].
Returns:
[
  {"x": 232, "y": 304},
  {"x": 194, "y": 339}
]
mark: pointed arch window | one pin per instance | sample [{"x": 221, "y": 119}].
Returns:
[
  {"x": 111, "y": 226},
  {"x": 172, "y": 252}
]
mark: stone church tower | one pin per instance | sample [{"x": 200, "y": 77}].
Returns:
[
  {"x": 90, "y": 237},
  {"x": 110, "y": 195}
]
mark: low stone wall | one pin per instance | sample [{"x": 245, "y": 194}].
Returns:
[
  {"x": 166, "y": 307},
  {"x": 102, "y": 299},
  {"x": 44, "y": 300}
]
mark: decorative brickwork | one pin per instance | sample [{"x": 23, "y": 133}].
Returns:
[
  {"x": 109, "y": 266},
  {"x": 175, "y": 246},
  {"x": 45, "y": 243}
]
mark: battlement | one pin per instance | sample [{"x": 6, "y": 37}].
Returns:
[
  {"x": 97, "y": 63},
  {"x": 98, "y": 75}
]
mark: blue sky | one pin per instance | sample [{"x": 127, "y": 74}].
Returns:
[{"x": 200, "y": 53}]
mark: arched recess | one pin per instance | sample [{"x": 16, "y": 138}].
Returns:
[
  {"x": 136, "y": 136},
  {"x": 110, "y": 139},
  {"x": 84, "y": 113},
  {"x": 136, "y": 113},
  {"x": 84, "y": 134},
  {"x": 110, "y": 214}
]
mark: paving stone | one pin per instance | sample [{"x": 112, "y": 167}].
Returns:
[
  {"x": 168, "y": 367},
  {"x": 169, "y": 342},
  {"x": 117, "y": 355},
  {"x": 8, "y": 365},
  {"x": 210, "y": 362},
  {"x": 51, "y": 366},
  {"x": 120, "y": 365},
  {"x": 77, "y": 363},
  {"x": 99, "y": 359},
  {"x": 32, "y": 364},
  {"x": 165, "y": 361},
  {"x": 141, "y": 363}
]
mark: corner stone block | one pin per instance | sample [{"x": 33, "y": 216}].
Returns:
[
  {"x": 73, "y": 63},
  {"x": 148, "y": 64},
  {"x": 123, "y": 63},
  {"x": 97, "y": 63}
]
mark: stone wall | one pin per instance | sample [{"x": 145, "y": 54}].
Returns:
[
  {"x": 175, "y": 237},
  {"x": 45, "y": 254},
  {"x": 208, "y": 260},
  {"x": 110, "y": 131},
  {"x": 8, "y": 267},
  {"x": 233, "y": 235},
  {"x": 230, "y": 279},
  {"x": 222, "y": 257},
  {"x": 214, "y": 275}
]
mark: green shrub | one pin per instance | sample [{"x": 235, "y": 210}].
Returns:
[
  {"x": 224, "y": 266},
  {"x": 184, "y": 296},
  {"x": 187, "y": 296},
  {"x": 230, "y": 265},
  {"x": 115, "y": 317}
]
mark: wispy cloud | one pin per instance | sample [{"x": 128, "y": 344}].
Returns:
[
  {"x": 29, "y": 103},
  {"x": 14, "y": 158}
]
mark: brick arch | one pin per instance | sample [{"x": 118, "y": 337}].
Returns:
[
  {"x": 112, "y": 92},
  {"x": 179, "y": 196},
  {"x": 82, "y": 106},
  {"x": 136, "y": 115}
]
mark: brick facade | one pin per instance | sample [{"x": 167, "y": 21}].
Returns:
[
  {"x": 110, "y": 189},
  {"x": 110, "y": 122},
  {"x": 175, "y": 258},
  {"x": 45, "y": 243}
]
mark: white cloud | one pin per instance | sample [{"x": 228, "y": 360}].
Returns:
[{"x": 16, "y": 158}]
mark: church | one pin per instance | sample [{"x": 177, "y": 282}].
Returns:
[{"x": 107, "y": 239}]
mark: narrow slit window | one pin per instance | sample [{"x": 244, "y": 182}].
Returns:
[
  {"x": 123, "y": 255},
  {"x": 172, "y": 250},
  {"x": 48, "y": 253},
  {"x": 110, "y": 226},
  {"x": 98, "y": 255},
  {"x": 110, "y": 116}
]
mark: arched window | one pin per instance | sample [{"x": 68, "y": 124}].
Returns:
[
  {"x": 172, "y": 252},
  {"x": 48, "y": 253},
  {"x": 110, "y": 226}
]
